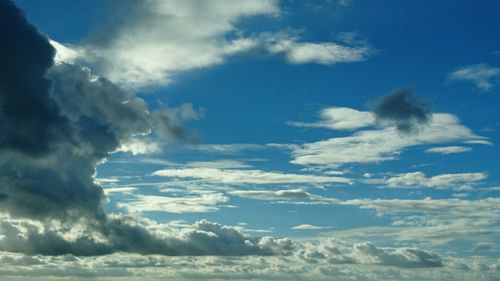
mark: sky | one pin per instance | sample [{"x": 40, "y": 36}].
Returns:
[{"x": 249, "y": 140}]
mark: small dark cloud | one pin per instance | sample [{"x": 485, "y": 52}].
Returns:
[
  {"x": 404, "y": 110},
  {"x": 167, "y": 123}
]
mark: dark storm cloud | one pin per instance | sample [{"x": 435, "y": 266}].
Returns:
[
  {"x": 53, "y": 133},
  {"x": 403, "y": 109},
  {"x": 25, "y": 56}
]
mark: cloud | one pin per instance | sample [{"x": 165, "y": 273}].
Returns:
[
  {"x": 201, "y": 238},
  {"x": 58, "y": 122},
  {"x": 401, "y": 257},
  {"x": 403, "y": 109},
  {"x": 452, "y": 207},
  {"x": 326, "y": 53},
  {"x": 368, "y": 146},
  {"x": 485, "y": 77},
  {"x": 308, "y": 227},
  {"x": 339, "y": 252},
  {"x": 448, "y": 149},
  {"x": 234, "y": 176},
  {"x": 162, "y": 38},
  {"x": 296, "y": 196},
  {"x": 428, "y": 222},
  {"x": 167, "y": 123},
  {"x": 458, "y": 181},
  {"x": 196, "y": 202},
  {"x": 340, "y": 118}
]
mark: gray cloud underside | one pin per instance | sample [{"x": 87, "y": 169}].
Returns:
[{"x": 58, "y": 123}]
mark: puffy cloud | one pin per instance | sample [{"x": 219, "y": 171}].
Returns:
[
  {"x": 485, "y": 77},
  {"x": 402, "y": 257},
  {"x": 367, "y": 146},
  {"x": 339, "y": 252},
  {"x": 403, "y": 109},
  {"x": 234, "y": 176},
  {"x": 127, "y": 234},
  {"x": 458, "y": 181},
  {"x": 448, "y": 149}
]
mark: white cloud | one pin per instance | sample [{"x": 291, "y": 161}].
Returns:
[
  {"x": 340, "y": 118},
  {"x": 368, "y": 146},
  {"x": 453, "y": 207},
  {"x": 234, "y": 176},
  {"x": 322, "y": 53},
  {"x": 296, "y": 196},
  {"x": 482, "y": 75},
  {"x": 218, "y": 164},
  {"x": 429, "y": 222},
  {"x": 138, "y": 146},
  {"x": 64, "y": 54},
  {"x": 196, "y": 202},
  {"x": 415, "y": 179},
  {"x": 448, "y": 149},
  {"x": 308, "y": 227},
  {"x": 162, "y": 38},
  {"x": 234, "y": 148}
]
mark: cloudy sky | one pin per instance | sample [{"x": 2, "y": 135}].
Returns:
[{"x": 249, "y": 140}]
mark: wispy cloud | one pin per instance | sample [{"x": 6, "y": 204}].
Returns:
[
  {"x": 448, "y": 149},
  {"x": 485, "y": 77},
  {"x": 460, "y": 181},
  {"x": 368, "y": 146},
  {"x": 234, "y": 176},
  {"x": 308, "y": 227},
  {"x": 321, "y": 53},
  {"x": 293, "y": 196},
  {"x": 340, "y": 118}
]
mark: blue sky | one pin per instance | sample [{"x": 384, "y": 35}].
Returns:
[{"x": 355, "y": 139}]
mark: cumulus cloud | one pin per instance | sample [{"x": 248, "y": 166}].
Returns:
[
  {"x": 235, "y": 176},
  {"x": 485, "y": 77},
  {"x": 340, "y": 252},
  {"x": 201, "y": 238},
  {"x": 58, "y": 122},
  {"x": 403, "y": 109},
  {"x": 448, "y": 149}
]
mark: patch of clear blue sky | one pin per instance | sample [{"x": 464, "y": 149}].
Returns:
[{"x": 250, "y": 98}]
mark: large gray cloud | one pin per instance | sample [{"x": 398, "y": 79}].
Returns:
[
  {"x": 404, "y": 110},
  {"x": 57, "y": 123},
  {"x": 121, "y": 234}
]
